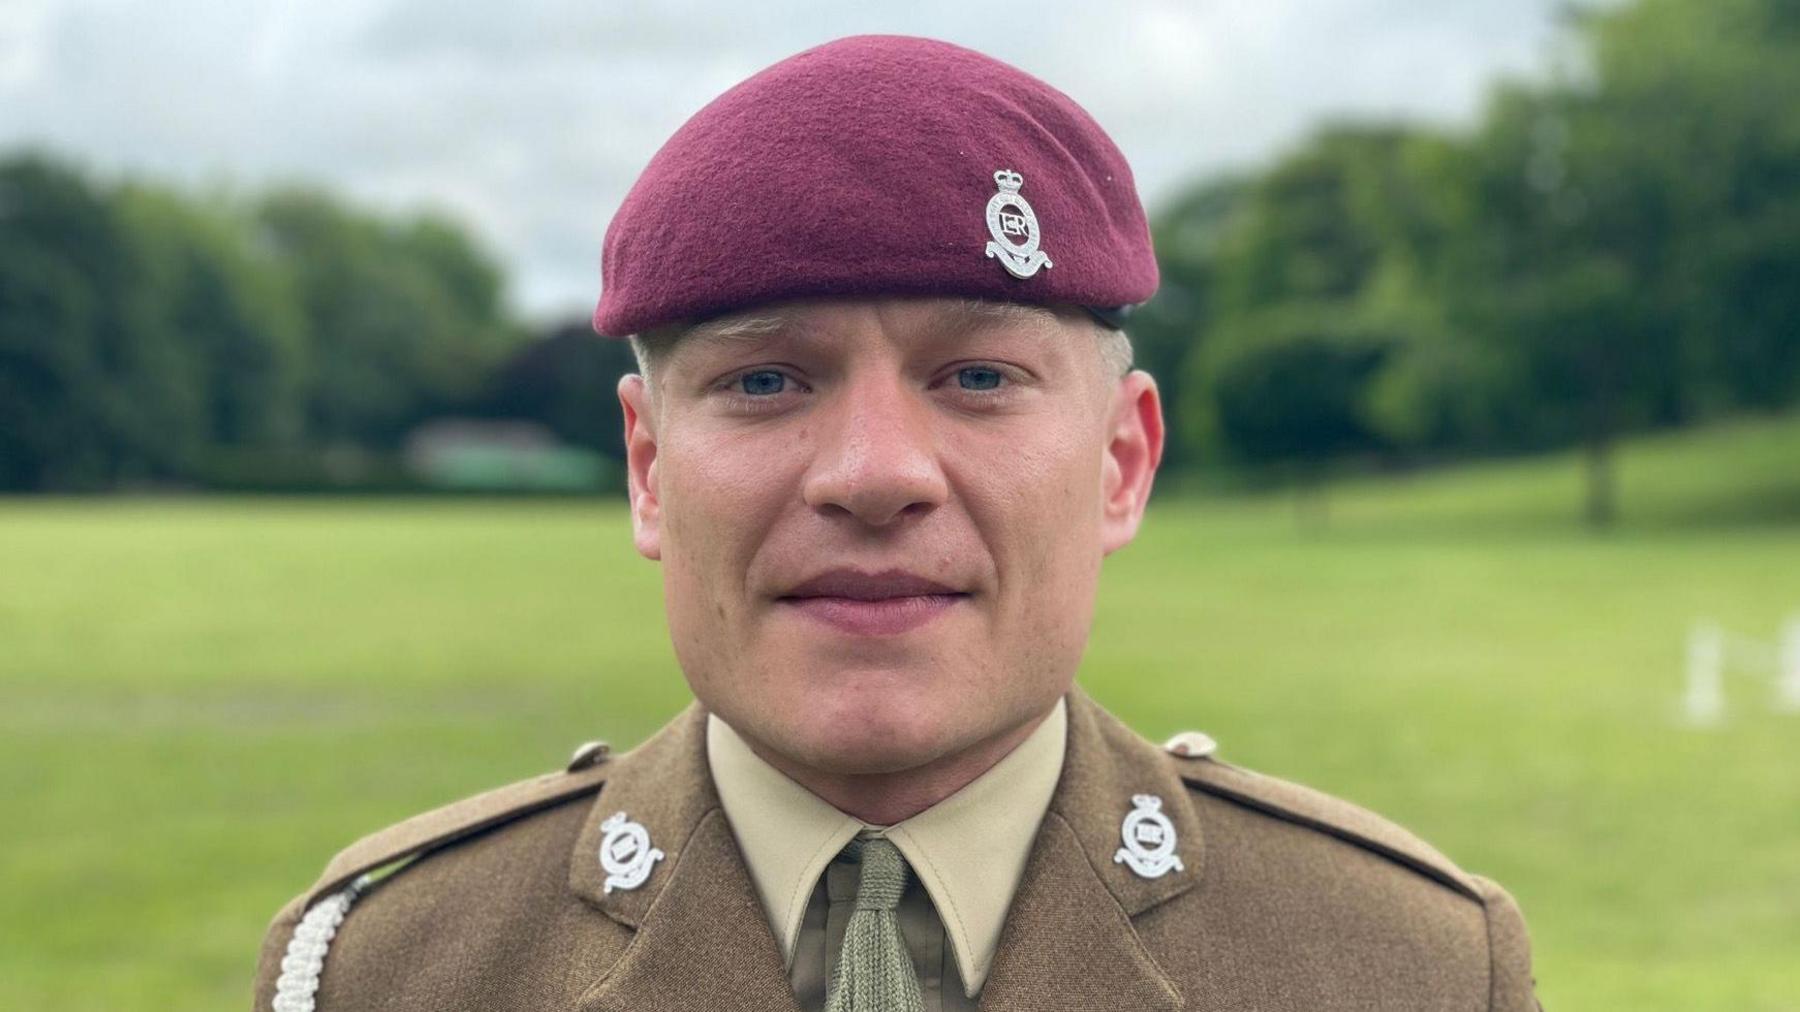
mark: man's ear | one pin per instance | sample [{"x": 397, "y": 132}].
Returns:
[
  {"x": 640, "y": 466},
  {"x": 1134, "y": 448}
]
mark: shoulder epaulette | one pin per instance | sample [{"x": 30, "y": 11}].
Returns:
[
  {"x": 457, "y": 820},
  {"x": 1336, "y": 817},
  {"x": 321, "y": 910}
]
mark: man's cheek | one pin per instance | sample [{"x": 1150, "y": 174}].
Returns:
[{"x": 694, "y": 503}]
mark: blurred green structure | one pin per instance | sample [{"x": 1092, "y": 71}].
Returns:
[{"x": 471, "y": 456}]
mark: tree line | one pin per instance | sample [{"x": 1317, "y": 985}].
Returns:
[
  {"x": 149, "y": 337},
  {"x": 1610, "y": 248}
]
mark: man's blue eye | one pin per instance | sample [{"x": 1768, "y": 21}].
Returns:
[
  {"x": 763, "y": 381},
  {"x": 978, "y": 378}
]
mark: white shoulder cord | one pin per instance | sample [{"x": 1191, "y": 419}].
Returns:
[{"x": 305, "y": 958}]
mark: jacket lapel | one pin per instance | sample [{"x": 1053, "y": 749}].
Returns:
[
  {"x": 1069, "y": 940},
  {"x": 702, "y": 940},
  {"x": 704, "y": 944}
]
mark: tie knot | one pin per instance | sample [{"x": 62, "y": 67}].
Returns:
[{"x": 883, "y": 876}]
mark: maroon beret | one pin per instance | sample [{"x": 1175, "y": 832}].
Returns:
[{"x": 878, "y": 165}]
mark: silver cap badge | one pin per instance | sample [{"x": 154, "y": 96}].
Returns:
[
  {"x": 1009, "y": 216},
  {"x": 1149, "y": 839},
  {"x": 625, "y": 853}
]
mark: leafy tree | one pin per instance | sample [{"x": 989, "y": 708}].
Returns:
[
  {"x": 151, "y": 336},
  {"x": 1168, "y": 330},
  {"x": 1292, "y": 388},
  {"x": 1697, "y": 106},
  {"x": 565, "y": 380},
  {"x": 402, "y": 320},
  {"x": 1621, "y": 242},
  {"x": 231, "y": 311},
  {"x": 87, "y": 397},
  {"x": 1308, "y": 294},
  {"x": 1615, "y": 248}
]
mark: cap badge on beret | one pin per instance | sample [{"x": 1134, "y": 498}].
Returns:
[{"x": 1010, "y": 217}]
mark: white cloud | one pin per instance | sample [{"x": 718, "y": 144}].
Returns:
[
  {"x": 531, "y": 119},
  {"x": 22, "y": 27}
]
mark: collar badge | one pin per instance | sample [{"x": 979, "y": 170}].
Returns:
[
  {"x": 1149, "y": 839},
  {"x": 625, "y": 853},
  {"x": 1014, "y": 226}
]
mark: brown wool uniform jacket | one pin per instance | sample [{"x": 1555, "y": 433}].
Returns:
[{"x": 1286, "y": 900}]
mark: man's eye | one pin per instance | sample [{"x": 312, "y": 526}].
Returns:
[
  {"x": 762, "y": 382},
  {"x": 978, "y": 378}
]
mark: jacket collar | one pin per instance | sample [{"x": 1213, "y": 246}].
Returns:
[
  {"x": 1069, "y": 941},
  {"x": 1107, "y": 766},
  {"x": 663, "y": 786},
  {"x": 703, "y": 938}
]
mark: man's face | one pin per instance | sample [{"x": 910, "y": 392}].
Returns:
[{"x": 881, "y": 521}]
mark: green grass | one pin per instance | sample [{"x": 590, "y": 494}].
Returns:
[{"x": 201, "y": 700}]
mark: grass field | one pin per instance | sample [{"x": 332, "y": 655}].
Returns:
[{"x": 201, "y": 700}]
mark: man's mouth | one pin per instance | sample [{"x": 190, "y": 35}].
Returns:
[{"x": 862, "y": 603}]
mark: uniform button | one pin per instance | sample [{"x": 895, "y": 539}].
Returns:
[
  {"x": 1191, "y": 745},
  {"x": 591, "y": 754}
]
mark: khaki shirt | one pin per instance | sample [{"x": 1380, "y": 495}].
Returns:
[
  {"x": 1283, "y": 899},
  {"x": 966, "y": 853}
]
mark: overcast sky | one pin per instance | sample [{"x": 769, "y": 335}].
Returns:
[{"x": 529, "y": 119}]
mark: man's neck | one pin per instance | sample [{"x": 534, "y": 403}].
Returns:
[{"x": 883, "y": 799}]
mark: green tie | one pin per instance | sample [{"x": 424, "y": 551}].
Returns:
[{"x": 874, "y": 973}]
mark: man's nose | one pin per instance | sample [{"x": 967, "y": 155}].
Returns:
[{"x": 877, "y": 455}]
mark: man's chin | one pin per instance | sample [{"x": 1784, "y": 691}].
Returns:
[
  {"x": 850, "y": 720},
  {"x": 870, "y": 745}
]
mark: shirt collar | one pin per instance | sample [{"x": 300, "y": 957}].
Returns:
[{"x": 968, "y": 850}]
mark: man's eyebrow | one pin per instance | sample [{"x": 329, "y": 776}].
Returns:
[
  {"x": 970, "y": 315},
  {"x": 732, "y": 329},
  {"x": 721, "y": 335},
  {"x": 961, "y": 318}
]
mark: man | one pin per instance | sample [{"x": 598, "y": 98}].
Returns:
[{"x": 884, "y": 431}]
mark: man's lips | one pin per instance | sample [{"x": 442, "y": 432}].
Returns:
[
  {"x": 872, "y": 604},
  {"x": 858, "y": 585}
]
